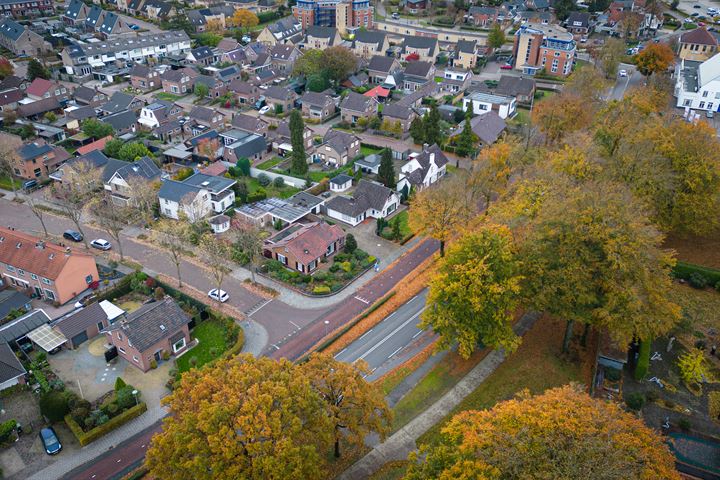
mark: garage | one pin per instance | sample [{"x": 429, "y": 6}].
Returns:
[{"x": 79, "y": 339}]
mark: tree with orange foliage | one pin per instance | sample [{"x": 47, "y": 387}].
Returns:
[
  {"x": 6, "y": 68},
  {"x": 562, "y": 433},
  {"x": 244, "y": 18},
  {"x": 561, "y": 114},
  {"x": 655, "y": 58},
  {"x": 215, "y": 26}
]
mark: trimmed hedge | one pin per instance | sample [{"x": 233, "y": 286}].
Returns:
[
  {"x": 86, "y": 438},
  {"x": 643, "y": 363},
  {"x": 685, "y": 270}
]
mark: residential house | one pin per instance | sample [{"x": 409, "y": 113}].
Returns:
[
  {"x": 179, "y": 197},
  {"x": 122, "y": 122},
  {"x": 697, "y": 85},
  {"x": 455, "y": 81},
  {"x": 697, "y": 45},
  {"x": 75, "y": 13},
  {"x": 319, "y": 106},
  {"x": 38, "y": 159},
  {"x": 578, "y": 23},
  {"x": 239, "y": 144},
  {"x": 264, "y": 77},
  {"x": 206, "y": 145},
  {"x": 208, "y": 117},
  {"x": 302, "y": 247},
  {"x": 222, "y": 195},
  {"x": 282, "y": 141},
  {"x": 93, "y": 146},
  {"x": 113, "y": 24},
  {"x": 370, "y": 199},
  {"x": 158, "y": 113},
  {"x": 22, "y": 41},
  {"x": 27, "y": 8},
  {"x": 41, "y": 88},
  {"x": 120, "y": 102},
  {"x": 202, "y": 56},
  {"x": 84, "y": 323},
  {"x": 13, "y": 302},
  {"x": 145, "y": 78},
  {"x": 246, "y": 93},
  {"x": 13, "y": 373},
  {"x": 283, "y": 57},
  {"x": 48, "y": 270},
  {"x": 549, "y": 48},
  {"x": 355, "y": 106},
  {"x": 382, "y": 67},
  {"x": 338, "y": 148},
  {"x": 250, "y": 124},
  {"x": 422, "y": 169},
  {"x": 89, "y": 96},
  {"x": 151, "y": 332},
  {"x": 130, "y": 178},
  {"x": 285, "y": 30},
  {"x": 228, "y": 45},
  {"x": 368, "y": 43},
  {"x": 417, "y": 74},
  {"x": 340, "y": 183},
  {"x": 396, "y": 113},
  {"x": 170, "y": 132},
  {"x": 320, "y": 38},
  {"x": 178, "y": 82},
  {"x": 13, "y": 81},
  {"x": 74, "y": 116},
  {"x": 484, "y": 17},
  {"x": 38, "y": 108},
  {"x": 488, "y": 127},
  {"x": 216, "y": 88},
  {"x": 228, "y": 74},
  {"x": 308, "y": 201},
  {"x": 535, "y": 17},
  {"x": 275, "y": 210},
  {"x": 482, "y": 102},
  {"x": 465, "y": 54},
  {"x": 9, "y": 99},
  {"x": 283, "y": 97},
  {"x": 419, "y": 48},
  {"x": 95, "y": 17},
  {"x": 522, "y": 88},
  {"x": 158, "y": 10}
]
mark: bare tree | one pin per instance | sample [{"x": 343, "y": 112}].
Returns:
[
  {"x": 7, "y": 164},
  {"x": 74, "y": 196},
  {"x": 173, "y": 236},
  {"x": 37, "y": 209},
  {"x": 217, "y": 255},
  {"x": 112, "y": 218},
  {"x": 144, "y": 199},
  {"x": 249, "y": 239}
]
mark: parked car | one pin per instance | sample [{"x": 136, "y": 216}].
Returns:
[
  {"x": 264, "y": 109},
  {"x": 260, "y": 103},
  {"x": 101, "y": 244},
  {"x": 709, "y": 114},
  {"x": 73, "y": 236},
  {"x": 133, "y": 26},
  {"x": 622, "y": 73},
  {"x": 219, "y": 295},
  {"x": 506, "y": 66},
  {"x": 697, "y": 6},
  {"x": 246, "y": 39},
  {"x": 29, "y": 185},
  {"x": 50, "y": 441}
]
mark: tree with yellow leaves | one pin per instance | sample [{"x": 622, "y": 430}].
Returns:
[
  {"x": 244, "y": 18},
  {"x": 655, "y": 58},
  {"x": 562, "y": 433},
  {"x": 354, "y": 407},
  {"x": 560, "y": 115},
  {"x": 473, "y": 295}
]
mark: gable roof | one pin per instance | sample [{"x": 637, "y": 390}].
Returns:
[
  {"x": 381, "y": 63},
  {"x": 79, "y": 320},
  {"x": 285, "y": 28},
  {"x": 420, "y": 43},
  {"x": 583, "y": 18},
  {"x": 248, "y": 123},
  {"x": 39, "y": 106},
  {"x": 109, "y": 23},
  {"x": 33, "y": 150},
  {"x": 466, "y": 46},
  {"x": 29, "y": 253},
  {"x": 317, "y": 99},
  {"x": 228, "y": 44},
  {"x": 699, "y": 36},
  {"x": 96, "y": 145},
  {"x": 11, "y": 299},
  {"x": 121, "y": 120},
  {"x": 371, "y": 36},
  {"x": 211, "y": 183},
  {"x": 367, "y": 195},
  {"x": 487, "y": 127},
  {"x": 144, "y": 168},
  {"x": 338, "y": 140},
  {"x": 10, "y": 366},
  {"x": 151, "y": 323},
  {"x": 317, "y": 31},
  {"x": 514, "y": 86},
  {"x": 306, "y": 242},
  {"x": 85, "y": 94},
  {"x": 118, "y": 102},
  {"x": 281, "y": 52},
  {"x": 279, "y": 93},
  {"x": 11, "y": 29},
  {"x": 417, "y": 176},
  {"x": 140, "y": 70},
  {"x": 39, "y": 87},
  {"x": 175, "y": 191},
  {"x": 356, "y": 102},
  {"x": 11, "y": 96},
  {"x": 396, "y": 110},
  {"x": 419, "y": 69},
  {"x": 201, "y": 53},
  {"x": 203, "y": 114}
]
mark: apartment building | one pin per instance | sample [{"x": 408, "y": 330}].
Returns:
[
  {"x": 547, "y": 48},
  {"x": 26, "y": 8},
  {"x": 348, "y": 16}
]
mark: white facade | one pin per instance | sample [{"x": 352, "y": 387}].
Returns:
[
  {"x": 194, "y": 209},
  {"x": 433, "y": 174},
  {"x": 486, "y": 102},
  {"x": 148, "y": 118},
  {"x": 341, "y": 187},
  {"x": 390, "y": 206},
  {"x": 698, "y": 87}
]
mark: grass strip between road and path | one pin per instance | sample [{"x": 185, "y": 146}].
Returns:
[{"x": 390, "y": 380}]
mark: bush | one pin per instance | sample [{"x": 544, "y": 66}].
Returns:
[
  {"x": 346, "y": 266},
  {"x": 165, "y": 355},
  {"x": 360, "y": 254},
  {"x": 333, "y": 268},
  {"x": 256, "y": 196},
  {"x": 643, "y": 364},
  {"x": 80, "y": 414},
  {"x": 87, "y": 437},
  {"x": 697, "y": 280},
  {"x": 279, "y": 182},
  {"x": 651, "y": 396},
  {"x": 321, "y": 290},
  {"x": 159, "y": 293},
  {"x": 6, "y": 429},
  {"x": 124, "y": 397},
  {"x": 119, "y": 384},
  {"x": 684, "y": 270},
  {"x": 54, "y": 405},
  {"x": 635, "y": 401},
  {"x": 263, "y": 179},
  {"x": 153, "y": 364},
  {"x": 684, "y": 424}
]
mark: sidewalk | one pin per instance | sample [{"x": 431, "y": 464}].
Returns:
[{"x": 402, "y": 442}]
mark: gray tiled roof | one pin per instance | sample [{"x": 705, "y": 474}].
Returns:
[
  {"x": 80, "y": 320},
  {"x": 23, "y": 325},
  {"x": 316, "y": 99},
  {"x": 367, "y": 195},
  {"x": 317, "y": 31},
  {"x": 10, "y": 366},
  {"x": 144, "y": 167},
  {"x": 118, "y": 102},
  {"x": 151, "y": 323},
  {"x": 356, "y": 102},
  {"x": 466, "y": 46},
  {"x": 175, "y": 191},
  {"x": 338, "y": 140},
  {"x": 421, "y": 43},
  {"x": 381, "y": 63},
  {"x": 33, "y": 150},
  {"x": 396, "y": 110},
  {"x": 11, "y": 299},
  {"x": 211, "y": 183},
  {"x": 419, "y": 69},
  {"x": 371, "y": 36},
  {"x": 11, "y": 29},
  {"x": 121, "y": 120}
]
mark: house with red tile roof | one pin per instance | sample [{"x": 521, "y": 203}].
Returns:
[
  {"x": 48, "y": 270},
  {"x": 301, "y": 247},
  {"x": 697, "y": 45},
  {"x": 41, "y": 88},
  {"x": 96, "y": 145}
]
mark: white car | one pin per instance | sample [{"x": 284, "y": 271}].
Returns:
[
  {"x": 101, "y": 244},
  {"x": 622, "y": 73},
  {"x": 219, "y": 295},
  {"x": 264, "y": 109}
]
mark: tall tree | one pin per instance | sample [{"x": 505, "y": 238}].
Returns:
[
  {"x": 95, "y": 129},
  {"x": 431, "y": 125},
  {"x": 38, "y": 209},
  {"x": 562, "y": 433},
  {"x": 201, "y": 90},
  {"x": 473, "y": 295},
  {"x": 36, "y": 69},
  {"x": 73, "y": 197},
  {"x": 245, "y": 417},
  {"x": 610, "y": 55},
  {"x": 244, "y": 18},
  {"x": 561, "y": 114},
  {"x": 249, "y": 239},
  {"x": 655, "y": 58},
  {"x": 112, "y": 148},
  {"x": 310, "y": 63},
  {"x": 216, "y": 253},
  {"x": 355, "y": 408},
  {"x": 563, "y": 8},
  {"x": 588, "y": 83},
  {"x": 465, "y": 143},
  {"x": 6, "y": 68},
  {"x": 133, "y": 151},
  {"x": 491, "y": 172},
  {"x": 299, "y": 164},
  {"x": 441, "y": 209},
  {"x": 173, "y": 236},
  {"x": 417, "y": 130},
  {"x": 112, "y": 218},
  {"x": 339, "y": 62},
  {"x": 496, "y": 37},
  {"x": 386, "y": 171}
]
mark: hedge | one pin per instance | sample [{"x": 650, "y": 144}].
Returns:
[
  {"x": 86, "y": 438},
  {"x": 643, "y": 364},
  {"x": 683, "y": 270}
]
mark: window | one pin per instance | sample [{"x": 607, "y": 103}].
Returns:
[
  {"x": 135, "y": 359},
  {"x": 119, "y": 335},
  {"x": 702, "y": 105},
  {"x": 282, "y": 259},
  {"x": 46, "y": 281},
  {"x": 179, "y": 345},
  {"x": 21, "y": 272},
  {"x": 710, "y": 106},
  {"x": 705, "y": 94},
  {"x": 33, "y": 276},
  {"x": 121, "y": 351},
  {"x": 687, "y": 103},
  {"x": 49, "y": 294},
  {"x": 100, "y": 326},
  {"x": 10, "y": 268}
]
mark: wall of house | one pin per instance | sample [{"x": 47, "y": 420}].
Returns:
[
  {"x": 71, "y": 281},
  {"x": 696, "y": 52},
  {"x": 142, "y": 360}
]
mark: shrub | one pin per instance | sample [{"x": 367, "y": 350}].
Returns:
[
  {"x": 635, "y": 401},
  {"x": 165, "y": 355},
  {"x": 112, "y": 408},
  {"x": 360, "y": 254},
  {"x": 697, "y": 280},
  {"x": 321, "y": 290},
  {"x": 263, "y": 179},
  {"x": 257, "y": 195},
  {"x": 279, "y": 182},
  {"x": 346, "y": 266},
  {"x": 643, "y": 364},
  {"x": 54, "y": 405},
  {"x": 693, "y": 366},
  {"x": 322, "y": 276},
  {"x": 119, "y": 384},
  {"x": 333, "y": 268},
  {"x": 84, "y": 438},
  {"x": 159, "y": 293},
  {"x": 124, "y": 397},
  {"x": 153, "y": 364},
  {"x": 6, "y": 429},
  {"x": 651, "y": 396},
  {"x": 714, "y": 405},
  {"x": 684, "y": 424},
  {"x": 80, "y": 414}
]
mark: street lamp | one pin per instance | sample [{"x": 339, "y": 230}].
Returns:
[
  {"x": 327, "y": 322},
  {"x": 135, "y": 393}
]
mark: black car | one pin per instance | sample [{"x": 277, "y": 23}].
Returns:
[
  {"x": 50, "y": 441},
  {"x": 73, "y": 235}
]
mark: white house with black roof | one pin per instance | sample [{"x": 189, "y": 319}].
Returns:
[
  {"x": 370, "y": 199},
  {"x": 180, "y": 197},
  {"x": 422, "y": 169},
  {"x": 222, "y": 195}
]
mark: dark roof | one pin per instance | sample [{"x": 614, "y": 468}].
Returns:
[
  {"x": 80, "y": 320},
  {"x": 241, "y": 86},
  {"x": 248, "y": 123},
  {"x": 196, "y": 18},
  {"x": 13, "y": 95},
  {"x": 11, "y": 81},
  {"x": 583, "y": 18},
  {"x": 317, "y": 31},
  {"x": 121, "y": 120},
  {"x": 84, "y": 93},
  {"x": 315, "y": 98},
  {"x": 201, "y": 53},
  {"x": 140, "y": 70},
  {"x": 421, "y": 43},
  {"x": 174, "y": 75},
  {"x": 371, "y": 36},
  {"x": 211, "y": 183},
  {"x": 202, "y": 113},
  {"x": 698, "y": 36},
  {"x": 39, "y": 106},
  {"x": 23, "y": 325},
  {"x": 281, "y": 52},
  {"x": 340, "y": 141},
  {"x": 279, "y": 93},
  {"x": 514, "y": 86},
  {"x": 285, "y": 27},
  {"x": 82, "y": 113},
  {"x": 396, "y": 110},
  {"x": 118, "y": 102},
  {"x": 419, "y": 69},
  {"x": 381, "y": 63},
  {"x": 11, "y": 299},
  {"x": 249, "y": 145},
  {"x": 466, "y": 46},
  {"x": 417, "y": 176},
  {"x": 33, "y": 150},
  {"x": 227, "y": 74},
  {"x": 10, "y": 366},
  {"x": 111, "y": 19},
  {"x": 144, "y": 167},
  {"x": 73, "y": 9},
  {"x": 341, "y": 179},
  {"x": 367, "y": 195},
  {"x": 151, "y": 323},
  {"x": 11, "y": 29},
  {"x": 305, "y": 200},
  {"x": 487, "y": 127},
  {"x": 175, "y": 191},
  {"x": 356, "y": 102}
]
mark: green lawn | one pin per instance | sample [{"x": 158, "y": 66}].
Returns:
[
  {"x": 6, "y": 183},
  {"x": 404, "y": 227},
  {"x": 272, "y": 191},
  {"x": 535, "y": 366},
  {"x": 268, "y": 164},
  {"x": 169, "y": 97},
  {"x": 365, "y": 150},
  {"x": 211, "y": 335}
]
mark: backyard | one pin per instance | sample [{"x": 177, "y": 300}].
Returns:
[{"x": 211, "y": 344}]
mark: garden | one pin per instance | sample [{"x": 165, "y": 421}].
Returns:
[
  {"x": 397, "y": 229},
  {"x": 346, "y": 267}
]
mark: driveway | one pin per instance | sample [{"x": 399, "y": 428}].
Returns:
[{"x": 376, "y": 246}]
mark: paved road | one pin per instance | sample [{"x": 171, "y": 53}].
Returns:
[
  {"x": 349, "y": 308},
  {"x": 623, "y": 84},
  {"x": 390, "y": 341}
]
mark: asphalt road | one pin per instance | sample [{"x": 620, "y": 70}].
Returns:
[
  {"x": 393, "y": 338},
  {"x": 623, "y": 84}
]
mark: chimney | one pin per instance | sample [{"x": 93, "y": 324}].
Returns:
[
  {"x": 432, "y": 157},
  {"x": 40, "y": 244},
  {"x": 425, "y": 147}
]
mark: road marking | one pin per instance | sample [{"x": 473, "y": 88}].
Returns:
[
  {"x": 254, "y": 310},
  {"x": 418, "y": 333},
  {"x": 413, "y": 298},
  {"x": 119, "y": 460},
  {"x": 294, "y": 324},
  {"x": 386, "y": 318},
  {"x": 142, "y": 446},
  {"x": 340, "y": 353},
  {"x": 362, "y": 300},
  {"x": 276, "y": 347},
  {"x": 377, "y": 345},
  {"x": 393, "y": 353},
  {"x": 365, "y": 333}
]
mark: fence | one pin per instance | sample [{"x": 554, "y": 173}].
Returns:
[{"x": 295, "y": 182}]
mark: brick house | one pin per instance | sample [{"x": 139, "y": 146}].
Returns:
[
  {"x": 355, "y": 106},
  {"x": 302, "y": 247},
  {"x": 38, "y": 159},
  {"x": 145, "y": 78},
  {"x": 370, "y": 42},
  {"x": 395, "y": 113},
  {"x": 22, "y": 41},
  {"x": 283, "y": 96},
  {"x": 419, "y": 48},
  {"x": 483, "y": 16},
  {"x": 41, "y": 88},
  {"x": 317, "y": 105},
  {"x": 246, "y": 93},
  {"x": 338, "y": 148},
  {"x": 283, "y": 57},
  {"x": 27, "y": 8},
  {"x": 87, "y": 322},
  {"x": 50, "y": 271},
  {"x": 465, "y": 55},
  {"x": 178, "y": 82},
  {"x": 697, "y": 45},
  {"x": 382, "y": 67},
  {"x": 154, "y": 330}
]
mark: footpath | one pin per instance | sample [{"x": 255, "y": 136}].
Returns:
[{"x": 402, "y": 442}]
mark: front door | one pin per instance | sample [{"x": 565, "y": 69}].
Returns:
[
  {"x": 157, "y": 356},
  {"x": 38, "y": 292}
]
